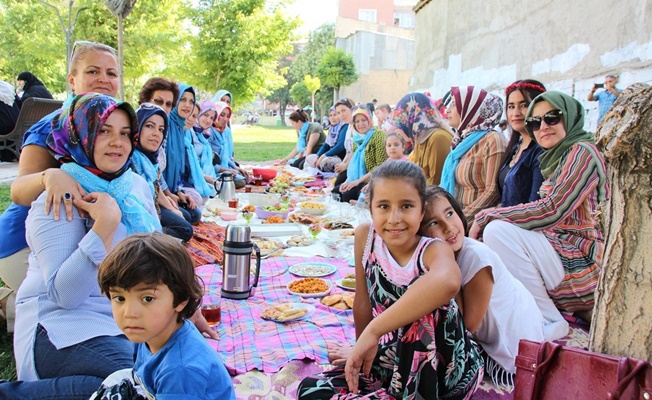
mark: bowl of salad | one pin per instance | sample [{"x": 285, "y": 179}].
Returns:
[{"x": 278, "y": 209}]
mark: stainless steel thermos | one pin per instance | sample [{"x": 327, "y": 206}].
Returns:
[{"x": 238, "y": 248}]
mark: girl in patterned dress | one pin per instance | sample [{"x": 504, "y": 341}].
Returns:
[{"x": 411, "y": 341}]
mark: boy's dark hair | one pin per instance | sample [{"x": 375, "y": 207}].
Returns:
[
  {"x": 432, "y": 192},
  {"x": 157, "y": 83},
  {"x": 153, "y": 258},
  {"x": 400, "y": 170}
]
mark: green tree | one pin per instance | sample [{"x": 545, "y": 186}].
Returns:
[
  {"x": 282, "y": 94},
  {"x": 239, "y": 44},
  {"x": 313, "y": 85},
  {"x": 300, "y": 94},
  {"x": 157, "y": 40},
  {"x": 336, "y": 69},
  {"x": 320, "y": 41}
]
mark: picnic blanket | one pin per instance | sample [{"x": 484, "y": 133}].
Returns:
[{"x": 249, "y": 342}]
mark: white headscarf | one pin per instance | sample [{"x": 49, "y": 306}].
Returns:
[{"x": 7, "y": 94}]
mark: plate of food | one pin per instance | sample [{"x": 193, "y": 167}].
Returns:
[
  {"x": 341, "y": 301},
  {"x": 310, "y": 287},
  {"x": 335, "y": 225},
  {"x": 304, "y": 219},
  {"x": 268, "y": 211},
  {"x": 274, "y": 219},
  {"x": 347, "y": 283},
  {"x": 312, "y": 207},
  {"x": 267, "y": 247},
  {"x": 300, "y": 240},
  {"x": 288, "y": 312},
  {"x": 312, "y": 269}
]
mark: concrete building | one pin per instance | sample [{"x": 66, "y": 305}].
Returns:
[
  {"x": 566, "y": 45},
  {"x": 379, "y": 36}
]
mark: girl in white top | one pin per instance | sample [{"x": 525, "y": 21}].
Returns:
[{"x": 496, "y": 307}]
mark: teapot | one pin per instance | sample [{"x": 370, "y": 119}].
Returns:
[
  {"x": 226, "y": 191},
  {"x": 237, "y": 263}
]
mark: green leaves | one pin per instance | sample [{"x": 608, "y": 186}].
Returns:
[{"x": 336, "y": 69}]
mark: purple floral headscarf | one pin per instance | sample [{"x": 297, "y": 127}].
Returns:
[
  {"x": 416, "y": 114},
  {"x": 74, "y": 131}
]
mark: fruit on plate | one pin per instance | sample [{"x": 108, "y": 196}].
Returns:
[{"x": 277, "y": 207}]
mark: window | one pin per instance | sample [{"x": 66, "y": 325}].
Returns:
[
  {"x": 404, "y": 20},
  {"x": 367, "y": 15}
]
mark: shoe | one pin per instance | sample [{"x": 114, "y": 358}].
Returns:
[{"x": 9, "y": 312}]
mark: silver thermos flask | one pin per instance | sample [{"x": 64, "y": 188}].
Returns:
[{"x": 237, "y": 263}]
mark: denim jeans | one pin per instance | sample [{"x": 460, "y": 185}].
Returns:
[
  {"x": 73, "y": 372},
  {"x": 191, "y": 215},
  {"x": 175, "y": 225}
]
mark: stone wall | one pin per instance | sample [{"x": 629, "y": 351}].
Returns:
[{"x": 567, "y": 45}]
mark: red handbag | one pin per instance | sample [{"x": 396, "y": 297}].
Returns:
[{"x": 547, "y": 371}]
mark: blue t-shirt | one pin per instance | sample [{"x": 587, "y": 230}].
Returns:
[
  {"x": 524, "y": 179},
  {"x": 606, "y": 99},
  {"x": 186, "y": 366},
  {"x": 12, "y": 220}
]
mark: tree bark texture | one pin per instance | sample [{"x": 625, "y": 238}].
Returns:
[{"x": 622, "y": 317}]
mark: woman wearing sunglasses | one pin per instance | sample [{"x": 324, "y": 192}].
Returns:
[
  {"x": 552, "y": 245},
  {"x": 93, "y": 68},
  {"x": 471, "y": 168},
  {"x": 520, "y": 177}
]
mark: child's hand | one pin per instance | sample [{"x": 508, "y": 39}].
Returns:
[
  {"x": 362, "y": 357},
  {"x": 202, "y": 325}
]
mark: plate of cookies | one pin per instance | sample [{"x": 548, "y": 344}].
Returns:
[
  {"x": 287, "y": 312},
  {"x": 310, "y": 287},
  {"x": 300, "y": 240},
  {"x": 340, "y": 301}
]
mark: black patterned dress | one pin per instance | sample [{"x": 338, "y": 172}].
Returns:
[{"x": 432, "y": 358}]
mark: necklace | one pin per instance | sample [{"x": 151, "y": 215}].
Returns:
[{"x": 516, "y": 154}]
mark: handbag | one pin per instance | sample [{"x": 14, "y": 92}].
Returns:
[{"x": 550, "y": 371}]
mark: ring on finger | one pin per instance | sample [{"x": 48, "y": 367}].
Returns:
[{"x": 67, "y": 197}]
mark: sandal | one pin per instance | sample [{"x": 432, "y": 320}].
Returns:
[{"x": 9, "y": 312}]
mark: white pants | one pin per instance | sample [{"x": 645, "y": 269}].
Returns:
[{"x": 531, "y": 259}]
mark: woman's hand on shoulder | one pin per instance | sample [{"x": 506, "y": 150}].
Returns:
[
  {"x": 101, "y": 207},
  {"x": 57, "y": 184}
]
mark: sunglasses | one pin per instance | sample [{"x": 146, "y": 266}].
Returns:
[
  {"x": 81, "y": 43},
  {"x": 149, "y": 106},
  {"x": 552, "y": 117}
]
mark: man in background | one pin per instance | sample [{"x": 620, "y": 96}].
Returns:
[{"x": 607, "y": 97}]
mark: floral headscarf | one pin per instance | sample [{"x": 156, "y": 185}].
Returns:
[
  {"x": 75, "y": 130},
  {"x": 417, "y": 116},
  {"x": 204, "y": 107},
  {"x": 333, "y": 130},
  {"x": 479, "y": 110},
  {"x": 362, "y": 111}
]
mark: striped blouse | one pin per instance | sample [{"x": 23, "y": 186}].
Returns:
[
  {"x": 476, "y": 175},
  {"x": 566, "y": 216}
]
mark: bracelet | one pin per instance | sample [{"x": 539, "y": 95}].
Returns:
[{"x": 43, "y": 179}]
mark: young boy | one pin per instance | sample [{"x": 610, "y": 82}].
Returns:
[{"x": 151, "y": 283}]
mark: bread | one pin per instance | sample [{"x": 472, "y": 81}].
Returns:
[{"x": 331, "y": 300}]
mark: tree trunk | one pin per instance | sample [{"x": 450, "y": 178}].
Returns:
[
  {"x": 622, "y": 317},
  {"x": 281, "y": 112}
]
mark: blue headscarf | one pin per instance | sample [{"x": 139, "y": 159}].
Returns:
[
  {"x": 357, "y": 168},
  {"x": 301, "y": 143},
  {"x": 225, "y": 139},
  {"x": 333, "y": 130},
  {"x": 145, "y": 163},
  {"x": 220, "y": 93},
  {"x": 72, "y": 142},
  {"x": 175, "y": 147},
  {"x": 196, "y": 173}
]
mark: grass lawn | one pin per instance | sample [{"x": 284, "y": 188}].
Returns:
[
  {"x": 263, "y": 143},
  {"x": 251, "y": 143}
]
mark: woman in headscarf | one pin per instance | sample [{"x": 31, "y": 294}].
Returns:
[
  {"x": 178, "y": 173},
  {"x": 416, "y": 117},
  {"x": 520, "y": 177},
  {"x": 471, "y": 168},
  {"x": 9, "y": 109},
  {"x": 222, "y": 144},
  {"x": 152, "y": 130},
  {"x": 223, "y": 95},
  {"x": 66, "y": 339},
  {"x": 32, "y": 87},
  {"x": 332, "y": 151},
  {"x": 553, "y": 245},
  {"x": 39, "y": 171},
  {"x": 368, "y": 153}
]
